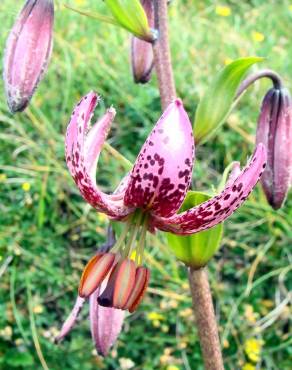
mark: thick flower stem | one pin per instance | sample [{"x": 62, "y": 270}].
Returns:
[
  {"x": 162, "y": 57},
  {"x": 205, "y": 319}
]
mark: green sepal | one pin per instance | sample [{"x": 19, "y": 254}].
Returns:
[
  {"x": 197, "y": 249},
  {"x": 218, "y": 100}
]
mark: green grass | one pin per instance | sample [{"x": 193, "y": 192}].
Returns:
[{"x": 48, "y": 233}]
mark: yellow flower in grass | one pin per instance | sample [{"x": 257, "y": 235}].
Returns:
[
  {"x": 290, "y": 7},
  {"x": 223, "y": 11},
  {"x": 80, "y": 2},
  {"x": 252, "y": 348},
  {"x": 257, "y": 36},
  {"x": 3, "y": 177},
  {"x": 26, "y": 186},
  {"x": 38, "y": 309},
  {"x": 172, "y": 367},
  {"x": 248, "y": 366},
  {"x": 228, "y": 61}
]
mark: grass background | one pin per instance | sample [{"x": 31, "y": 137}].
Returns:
[{"x": 47, "y": 232}]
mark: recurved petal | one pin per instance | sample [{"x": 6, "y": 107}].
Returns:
[
  {"x": 71, "y": 319},
  {"x": 162, "y": 172},
  {"x": 83, "y": 146},
  {"x": 28, "y": 51},
  {"x": 105, "y": 323},
  {"x": 220, "y": 207}
]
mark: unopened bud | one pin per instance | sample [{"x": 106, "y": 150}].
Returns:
[
  {"x": 275, "y": 132},
  {"x": 28, "y": 51},
  {"x": 141, "y": 51}
]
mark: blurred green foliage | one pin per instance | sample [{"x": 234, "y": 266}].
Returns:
[{"x": 47, "y": 232}]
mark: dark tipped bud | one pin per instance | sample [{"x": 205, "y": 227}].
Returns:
[
  {"x": 28, "y": 51},
  {"x": 141, "y": 51},
  {"x": 275, "y": 132}
]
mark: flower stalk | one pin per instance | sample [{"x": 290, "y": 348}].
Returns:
[
  {"x": 162, "y": 56},
  {"x": 205, "y": 319}
]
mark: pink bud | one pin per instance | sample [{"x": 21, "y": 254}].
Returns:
[
  {"x": 275, "y": 132},
  {"x": 141, "y": 51},
  {"x": 28, "y": 51}
]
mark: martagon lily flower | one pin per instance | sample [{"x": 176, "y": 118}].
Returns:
[{"x": 147, "y": 199}]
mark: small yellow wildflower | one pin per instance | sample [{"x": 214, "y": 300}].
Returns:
[
  {"x": 172, "y": 367},
  {"x": 6, "y": 332},
  {"x": 38, "y": 309},
  {"x": 187, "y": 312},
  {"x": 126, "y": 363},
  {"x": 17, "y": 250},
  {"x": 228, "y": 61},
  {"x": 257, "y": 36},
  {"x": 19, "y": 342},
  {"x": 26, "y": 186},
  {"x": 252, "y": 348},
  {"x": 3, "y": 177},
  {"x": 225, "y": 343},
  {"x": 152, "y": 316},
  {"x": 290, "y": 7},
  {"x": 249, "y": 314},
  {"x": 248, "y": 366},
  {"x": 80, "y": 2},
  {"x": 102, "y": 218},
  {"x": 223, "y": 11}
]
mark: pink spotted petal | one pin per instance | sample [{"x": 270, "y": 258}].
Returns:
[
  {"x": 105, "y": 323},
  {"x": 83, "y": 146},
  {"x": 234, "y": 173},
  {"x": 162, "y": 173},
  {"x": 217, "y": 209}
]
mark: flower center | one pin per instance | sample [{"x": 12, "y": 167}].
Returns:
[
  {"x": 131, "y": 242},
  {"x": 120, "y": 270}
]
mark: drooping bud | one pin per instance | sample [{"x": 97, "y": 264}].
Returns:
[
  {"x": 138, "y": 292},
  {"x": 120, "y": 285},
  {"x": 95, "y": 272},
  {"x": 141, "y": 51},
  {"x": 274, "y": 130},
  {"x": 105, "y": 323},
  {"x": 28, "y": 51}
]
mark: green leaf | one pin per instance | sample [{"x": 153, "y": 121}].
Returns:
[
  {"x": 218, "y": 100},
  {"x": 128, "y": 14},
  {"x": 131, "y": 15},
  {"x": 197, "y": 249},
  {"x": 94, "y": 15}
]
